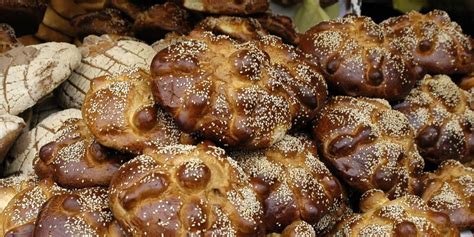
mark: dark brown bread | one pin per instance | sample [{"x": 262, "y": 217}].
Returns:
[
  {"x": 405, "y": 216},
  {"x": 450, "y": 190},
  {"x": 238, "y": 28},
  {"x": 442, "y": 119},
  {"x": 353, "y": 54},
  {"x": 185, "y": 190},
  {"x": 431, "y": 40},
  {"x": 245, "y": 95},
  {"x": 293, "y": 184},
  {"x": 75, "y": 159},
  {"x": 281, "y": 26},
  {"x": 240, "y": 7},
  {"x": 369, "y": 145},
  {"x": 106, "y": 21},
  {"x": 120, "y": 112}
]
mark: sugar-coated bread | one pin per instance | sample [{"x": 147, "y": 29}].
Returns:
[
  {"x": 353, "y": 55},
  {"x": 74, "y": 159},
  {"x": 405, "y": 216},
  {"x": 432, "y": 40},
  {"x": 236, "y": 94},
  {"x": 369, "y": 145},
  {"x": 105, "y": 21},
  {"x": 121, "y": 114},
  {"x": 8, "y": 39},
  {"x": 10, "y": 128},
  {"x": 185, "y": 190},
  {"x": 293, "y": 184},
  {"x": 450, "y": 190},
  {"x": 442, "y": 119},
  {"x": 241, "y": 7}
]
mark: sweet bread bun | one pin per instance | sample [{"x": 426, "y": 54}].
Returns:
[
  {"x": 24, "y": 151},
  {"x": 106, "y": 21},
  {"x": 405, "y": 216},
  {"x": 353, "y": 55},
  {"x": 238, "y": 28},
  {"x": 241, "y": 7},
  {"x": 75, "y": 160},
  {"x": 432, "y": 40},
  {"x": 29, "y": 73},
  {"x": 8, "y": 39},
  {"x": 84, "y": 212},
  {"x": 19, "y": 216},
  {"x": 10, "y": 128},
  {"x": 153, "y": 23},
  {"x": 442, "y": 119},
  {"x": 245, "y": 95},
  {"x": 293, "y": 184},
  {"x": 281, "y": 26},
  {"x": 368, "y": 145},
  {"x": 121, "y": 114},
  {"x": 185, "y": 190},
  {"x": 450, "y": 190},
  {"x": 104, "y": 55}
]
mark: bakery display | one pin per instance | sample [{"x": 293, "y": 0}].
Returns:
[
  {"x": 233, "y": 122},
  {"x": 236, "y": 94},
  {"x": 450, "y": 190},
  {"x": 294, "y": 184},
  {"x": 369, "y": 145},
  {"x": 405, "y": 216},
  {"x": 442, "y": 119},
  {"x": 185, "y": 189}
]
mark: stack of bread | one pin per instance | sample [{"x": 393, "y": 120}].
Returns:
[{"x": 234, "y": 125}]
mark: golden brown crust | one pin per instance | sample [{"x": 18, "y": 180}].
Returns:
[
  {"x": 442, "y": 119},
  {"x": 354, "y": 56},
  {"x": 7, "y": 38},
  {"x": 235, "y": 94},
  {"x": 467, "y": 82},
  {"x": 293, "y": 184},
  {"x": 120, "y": 112},
  {"x": 153, "y": 23},
  {"x": 238, "y": 28},
  {"x": 240, "y": 7},
  {"x": 369, "y": 145},
  {"x": 281, "y": 26},
  {"x": 184, "y": 190},
  {"x": 11, "y": 186},
  {"x": 75, "y": 159},
  {"x": 405, "y": 216},
  {"x": 432, "y": 40},
  {"x": 450, "y": 189},
  {"x": 106, "y": 21}
]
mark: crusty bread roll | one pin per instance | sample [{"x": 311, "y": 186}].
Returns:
[
  {"x": 442, "y": 119},
  {"x": 185, "y": 190},
  {"x": 293, "y": 184},
  {"x": 405, "y": 216},
  {"x": 241, "y": 7},
  {"x": 106, "y": 21},
  {"x": 74, "y": 159},
  {"x": 353, "y": 55},
  {"x": 29, "y": 73},
  {"x": 245, "y": 95},
  {"x": 8, "y": 39},
  {"x": 368, "y": 145},
  {"x": 10, "y": 128},
  {"x": 121, "y": 113},
  {"x": 450, "y": 189},
  {"x": 431, "y": 40}
]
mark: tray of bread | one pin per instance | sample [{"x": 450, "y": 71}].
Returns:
[{"x": 234, "y": 118}]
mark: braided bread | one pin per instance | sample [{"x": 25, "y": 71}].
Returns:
[
  {"x": 7, "y": 38},
  {"x": 406, "y": 216},
  {"x": 11, "y": 186},
  {"x": 84, "y": 212},
  {"x": 10, "y": 128},
  {"x": 238, "y": 28},
  {"x": 294, "y": 185},
  {"x": 185, "y": 190},
  {"x": 369, "y": 145},
  {"x": 121, "y": 113},
  {"x": 432, "y": 41},
  {"x": 245, "y": 95},
  {"x": 442, "y": 119},
  {"x": 241, "y": 7},
  {"x": 75, "y": 160},
  {"x": 296, "y": 229},
  {"x": 354, "y": 56},
  {"x": 450, "y": 190},
  {"x": 106, "y": 21}
]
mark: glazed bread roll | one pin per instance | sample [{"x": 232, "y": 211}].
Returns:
[
  {"x": 245, "y": 95},
  {"x": 75, "y": 159},
  {"x": 442, "y": 119},
  {"x": 368, "y": 145},
  {"x": 431, "y": 40},
  {"x": 121, "y": 114},
  {"x": 405, "y": 216},
  {"x": 185, "y": 190},
  {"x": 450, "y": 190},
  {"x": 353, "y": 54},
  {"x": 293, "y": 184},
  {"x": 242, "y": 7}
]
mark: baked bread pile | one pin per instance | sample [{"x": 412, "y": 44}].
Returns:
[{"x": 233, "y": 124}]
